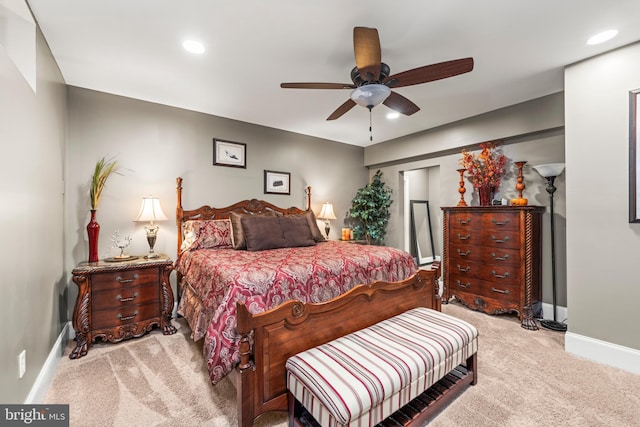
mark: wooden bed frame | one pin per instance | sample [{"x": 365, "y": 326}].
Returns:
[{"x": 269, "y": 338}]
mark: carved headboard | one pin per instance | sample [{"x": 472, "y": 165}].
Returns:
[{"x": 253, "y": 206}]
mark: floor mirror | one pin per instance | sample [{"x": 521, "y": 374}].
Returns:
[{"x": 422, "y": 247}]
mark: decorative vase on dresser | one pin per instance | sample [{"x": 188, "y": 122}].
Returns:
[
  {"x": 492, "y": 259},
  {"x": 93, "y": 232}
]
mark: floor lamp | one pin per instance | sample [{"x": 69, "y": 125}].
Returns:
[{"x": 550, "y": 172}]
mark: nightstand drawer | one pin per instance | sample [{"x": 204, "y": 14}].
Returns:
[
  {"x": 126, "y": 296},
  {"x": 124, "y": 279},
  {"x": 105, "y": 319}
]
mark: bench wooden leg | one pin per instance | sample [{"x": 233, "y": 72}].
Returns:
[{"x": 472, "y": 365}]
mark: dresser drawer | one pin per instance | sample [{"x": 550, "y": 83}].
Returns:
[
  {"x": 508, "y": 221},
  {"x": 495, "y": 256},
  {"x": 105, "y": 319},
  {"x": 502, "y": 274},
  {"x": 501, "y": 239},
  {"x": 465, "y": 220},
  {"x": 124, "y": 279},
  {"x": 125, "y": 296},
  {"x": 507, "y": 293}
]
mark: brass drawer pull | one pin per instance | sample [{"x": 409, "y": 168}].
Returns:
[
  {"x": 464, "y": 270},
  {"x": 496, "y": 222},
  {"x": 500, "y": 276},
  {"x": 121, "y": 280},
  {"x": 119, "y": 297},
  {"x": 461, "y": 237},
  {"x": 497, "y": 258},
  {"x": 495, "y": 239},
  {"x": 463, "y": 285},
  {"x": 500, "y": 291},
  {"x": 122, "y": 319},
  {"x": 464, "y": 222},
  {"x": 467, "y": 252}
]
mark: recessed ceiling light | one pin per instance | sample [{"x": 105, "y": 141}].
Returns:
[
  {"x": 393, "y": 115},
  {"x": 602, "y": 37},
  {"x": 193, "y": 46}
]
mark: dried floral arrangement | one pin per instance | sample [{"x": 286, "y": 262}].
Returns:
[
  {"x": 485, "y": 168},
  {"x": 104, "y": 168}
]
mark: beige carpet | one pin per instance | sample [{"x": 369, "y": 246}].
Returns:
[{"x": 525, "y": 379}]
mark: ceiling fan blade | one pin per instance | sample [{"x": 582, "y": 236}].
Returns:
[
  {"x": 429, "y": 73},
  {"x": 402, "y": 105},
  {"x": 317, "y": 85},
  {"x": 348, "y": 105},
  {"x": 366, "y": 49}
]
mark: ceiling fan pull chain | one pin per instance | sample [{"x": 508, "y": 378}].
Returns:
[{"x": 370, "y": 126}]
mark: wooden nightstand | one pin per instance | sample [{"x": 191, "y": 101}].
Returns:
[{"x": 121, "y": 300}]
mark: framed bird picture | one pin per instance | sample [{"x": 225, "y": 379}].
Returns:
[{"x": 228, "y": 153}]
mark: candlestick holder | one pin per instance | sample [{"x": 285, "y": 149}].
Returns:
[
  {"x": 461, "y": 190},
  {"x": 520, "y": 186}
]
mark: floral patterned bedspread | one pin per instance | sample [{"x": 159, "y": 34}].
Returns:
[{"x": 265, "y": 279}]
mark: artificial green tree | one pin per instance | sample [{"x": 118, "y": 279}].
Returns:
[{"x": 370, "y": 211}]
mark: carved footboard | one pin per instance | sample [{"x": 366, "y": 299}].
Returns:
[{"x": 268, "y": 339}]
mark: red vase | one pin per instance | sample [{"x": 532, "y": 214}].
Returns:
[
  {"x": 485, "y": 194},
  {"x": 93, "y": 231}
]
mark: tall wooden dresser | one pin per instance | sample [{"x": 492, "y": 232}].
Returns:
[{"x": 492, "y": 259}]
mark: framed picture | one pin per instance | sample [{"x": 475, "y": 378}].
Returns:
[
  {"x": 276, "y": 182},
  {"x": 634, "y": 159},
  {"x": 227, "y": 153}
]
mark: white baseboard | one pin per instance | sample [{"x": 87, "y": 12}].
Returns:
[
  {"x": 603, "y": 352},
  {"x": 48, "y": 371}
]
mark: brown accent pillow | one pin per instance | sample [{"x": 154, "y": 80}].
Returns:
[
  {"x": 313, "y": 226},
  {"x": 263, "y": 232},
  {"x": 296, "y": 231},
  {"x": 237, "y": 234}
]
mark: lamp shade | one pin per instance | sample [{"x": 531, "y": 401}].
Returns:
[
  {"x": 150, "y": 210},
  {"x": 550, "y": 169},
  {"x": 327, "y": 212},
  {"x": 370, "y": 95}
]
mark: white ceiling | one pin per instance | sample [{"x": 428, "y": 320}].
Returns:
[{"x": 133, "y": 48}]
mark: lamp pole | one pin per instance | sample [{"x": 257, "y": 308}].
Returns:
[{"x": 553, "y": 324}]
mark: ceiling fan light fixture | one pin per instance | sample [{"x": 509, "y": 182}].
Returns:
[
  {"x": 370, "y": 95},
  {"x": 193, "y": 46}
]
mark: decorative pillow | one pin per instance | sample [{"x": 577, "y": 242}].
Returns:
[
  {"x": 237, "y": 234},
  {"x": 263, "y": 232},
  {"x": 296, "y": 231},
  {"x": 205, "y": 234},
  {"x": 313, "y": 226}
]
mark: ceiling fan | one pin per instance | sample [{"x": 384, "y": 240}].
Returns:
[{"x": 372, "y": 83}]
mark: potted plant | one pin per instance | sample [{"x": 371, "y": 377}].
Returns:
[
  {"x": 104, "y": 168},
  {"x": 370, "y": 211}
]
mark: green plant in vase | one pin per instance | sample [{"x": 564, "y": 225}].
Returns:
[{"x": 370, "y": 211}]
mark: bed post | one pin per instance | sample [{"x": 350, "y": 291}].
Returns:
[
  {"x": 179, "y": 212},
  {"x": 309, "y": 198}
]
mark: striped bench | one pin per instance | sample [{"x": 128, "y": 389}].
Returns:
[{"x": 408, "y": 367}]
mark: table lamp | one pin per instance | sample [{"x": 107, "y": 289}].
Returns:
[
  {"x": 327, "y": 213},
  {"x": 151, "y": 211}
]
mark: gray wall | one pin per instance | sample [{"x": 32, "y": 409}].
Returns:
[
  {"x": 154, "y": 144},
  {"x": 532, "y": 131},
  {"x": 602, "y": 247},
  {"x": 32, "y": 131}
]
